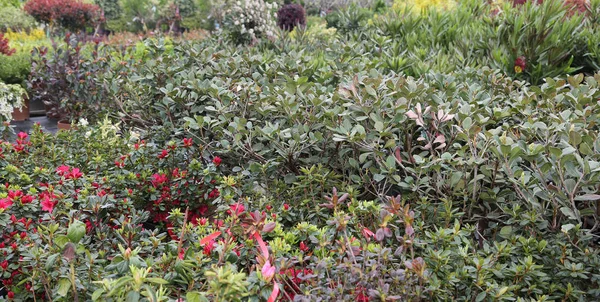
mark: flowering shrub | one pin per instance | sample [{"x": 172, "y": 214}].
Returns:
[
  {"x": 291, "y": 15},
  {"x": 249, "y": 20},
  {"x": 11, "y": 97},
  {"x": 71, "y": 14}
]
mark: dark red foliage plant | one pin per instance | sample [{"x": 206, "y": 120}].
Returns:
[
  {"x": 291, "y": 15},
  {"x": 4, "y": 47},
  {"x": 70, "y": 14}
]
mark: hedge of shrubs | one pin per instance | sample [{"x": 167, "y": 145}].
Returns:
[{"x": 396, "y": 159}]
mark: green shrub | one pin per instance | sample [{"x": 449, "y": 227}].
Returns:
[
  {"x": 111, "y": 8},
  {"x": 544, "y": 35},
  {"x": 15, "y": 69},
  {"x": 351, "y": 19},
  {"x": 15, "y": 19}
]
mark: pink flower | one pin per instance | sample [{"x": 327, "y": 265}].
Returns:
[
  {"x": 182, "y": 254},
  {"x": 62, "y": 170},
  {"x": 217, "y": 161},
  {"x": 367, "y": 233},
  {"x": 47, "y": 205},
  {"x": 268, "y": 271},
  {"x": 5, "y": 203},
  {"x": 237, "y": 208},
  {"x": 75, "y": 174},
  {"x": 22, "y": 135}
]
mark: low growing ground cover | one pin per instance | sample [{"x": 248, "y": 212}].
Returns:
[{"x": 382, "y": 160}]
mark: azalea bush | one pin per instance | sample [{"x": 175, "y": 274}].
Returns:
[
  {"x": 458, "y": 160},
  {"x": 86, "y": 231}
]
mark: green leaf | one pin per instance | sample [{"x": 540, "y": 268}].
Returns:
[
  {"x": 51, "y": 260},
  {"x": 506, "y": 232},
  {"x": 132, "y": 296},
  {"x": 157, "y": 280},
  {"x": 195, "y": 297},
  {"x": 64, "y": 285},
  {"x": 97, "y": 294},
  {"x": 588, "y": 197},
  {"x": 76, "y": 231},
  {"x": 378, "y": 177},
  {"x": 481, "y": 296}
]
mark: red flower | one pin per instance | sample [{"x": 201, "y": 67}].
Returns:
[
  {"x": 361, "y": 296},
  {"x": 75, "y": 174},
  {"x": 217, "y": 161},
  {"x": 26, "y": 199},
  {"x": 163, "y": 154},
  {"x": 214, "y": 193},
  {"x": 5, "y": 203},
  {"x": 209, "y": 247},
  {"x": 47, "y": 205},
  {"x": 23, "y": 235},
  {"x": 269, "y": 207},
  {"x": 4, "y": 264},
  {"x": 202, "y": 209},
  {"x": 520, "y": 64},
  {"x": 203, "y": 221},
  {"x": 14, "y": 194},
  {"x": 119, "y": 164},
  {"x": 158, "y": 179},
  {"x": 10, "y": 295},
  {"x": 188, "y": 142},
  {"x": 286, "y": 206},
  {"x": 22, "y": 135},
  {"x": 303, "y": 247},
  {"x": 181, "y": 254}
]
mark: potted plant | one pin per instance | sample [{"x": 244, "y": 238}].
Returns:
[
  {"x": 63, "y": 79},
  {"x": 13, "y": 102}
]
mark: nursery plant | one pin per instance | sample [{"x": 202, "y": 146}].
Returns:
[{"x": 443, "y": 154}]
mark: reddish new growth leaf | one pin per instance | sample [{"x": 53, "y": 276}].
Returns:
[
  {"x": 71, "y": 14},
  {"x": 4, "y": 47}
]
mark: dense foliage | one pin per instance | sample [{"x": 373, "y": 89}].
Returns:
[
  {"x": 291, "y": 15},
  {"x": 71, "y": 14},
  {"x": 448, "y": 152}
]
